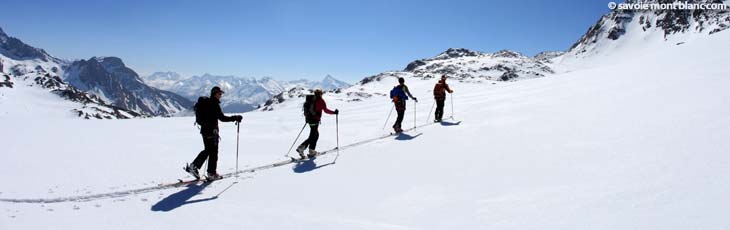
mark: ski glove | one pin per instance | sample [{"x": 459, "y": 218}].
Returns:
[
  {"x": 415, "y": 99},
  {"x": 238, "y": 118},
  {"x": 337, "y": 111}
]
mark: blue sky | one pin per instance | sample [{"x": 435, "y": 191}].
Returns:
[{"x": 292, "y": 39}]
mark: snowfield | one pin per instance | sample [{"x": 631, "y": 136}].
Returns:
[{"x": 637, "y": 143}]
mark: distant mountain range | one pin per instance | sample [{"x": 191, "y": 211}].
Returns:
[
  {"x": 105, "y": 87},
  {"x": 242, "y": 94}
]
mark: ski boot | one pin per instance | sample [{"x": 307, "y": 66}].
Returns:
[
  {"x": 312, "y": 153},
  {"x": 190, "y": 168},
  {"x": 213, "y": 176},
  {"x": 397, "y": 129},
  {"x": 300, "y": 150}
]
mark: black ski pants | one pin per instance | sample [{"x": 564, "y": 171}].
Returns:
[
  {"x": 311, "y": 141},
  {"x": 210, "y": 152},
  {"x": 400, "y": 108},
  {"x": 439, "y": 114}
]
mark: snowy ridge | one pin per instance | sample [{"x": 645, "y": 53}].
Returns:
[
  {"x": 464, "y": 64},
  {"x": 547, "y": 56},
  {"x": 624, "y": 32},
  {"x": 296, "y": 92},
  {"x": 16, "y": 49}
]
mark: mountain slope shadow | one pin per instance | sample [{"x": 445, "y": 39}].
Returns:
[
  {"x": 181, "y": 198},
  {"x": 447, "y": 123},
  {"x": 308, "y": 165},
  {"x": 405, "y": 136}
]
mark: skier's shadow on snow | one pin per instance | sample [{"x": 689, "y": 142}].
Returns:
[
  {"x": 447, "y": 123},
  {"x": 181, "y": 198},
  {"x": 405, "y": 136},
  {"x": 308, "y": 165}
]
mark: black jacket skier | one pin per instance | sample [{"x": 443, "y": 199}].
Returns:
[{"x": 208, "y": 112}]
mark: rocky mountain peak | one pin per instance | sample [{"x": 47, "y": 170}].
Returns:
[
  {"x": 457, "y": 52},
  {"x": 507, "y": 54},
  {"x": 16, "y": 49}
]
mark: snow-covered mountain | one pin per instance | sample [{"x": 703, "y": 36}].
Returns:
[
  {"x": 546, "y": 56},
  {"x": 117, "y": 84},
  {"x": 242, "y": 94},
  {"x": 292, "y": 93},
  {"x": 626, "y": 32},
  {"x": 29, "y": 75},
  {"x": 328, "y": 83},
  {"x": 464, "y": 64},
  {"x": 16, "y": 49},
  {"x": 163, "y": 80}
]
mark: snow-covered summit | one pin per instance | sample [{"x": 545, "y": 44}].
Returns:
[
  {"x": 546, "y": 56},
  {"x": 117, "y": 84},
  {"x": 468, "y": 65},
  {"x": 30, "y": 78},
  {"x": 328, "y": 83},
  {"x": 16, "y": 49},
  {"x": 627, "y": 32},
  {"x": 456, "y": 53}
]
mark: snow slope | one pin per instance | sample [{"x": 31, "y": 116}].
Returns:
[{"x": 640, "y": 143}]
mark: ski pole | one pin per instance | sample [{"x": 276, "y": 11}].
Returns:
[
  {"x": 337, "y": 129},
  {"x": 295, "y": 140},
  {"x": 452, "y": 106},
  {"x": 429, "y": 112},
  {"x": 391, "y": 112},
  {"x": 414, "y": 114},
  {"x": 238, "y": 131}
]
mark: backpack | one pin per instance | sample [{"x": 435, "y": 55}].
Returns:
[
  {"x": 398, "y": 94},
  {"x": 308, "y": 108},
  {"x": 202, "y": 110},
  {"x": 438, "y": 90}
]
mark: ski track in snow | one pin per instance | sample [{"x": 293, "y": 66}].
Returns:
[{"x": 110, "y": 195}]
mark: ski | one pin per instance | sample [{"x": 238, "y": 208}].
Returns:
[
  {"x": 297, "y": 160},
  {"x": 181, "y": 182}
]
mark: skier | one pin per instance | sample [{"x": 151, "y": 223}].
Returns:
[
  {"x": 313, "y": 107},
  {"x": 399, "y": 94},
  {"x": 207, "y": 113},
  {"x": 439, "y": 93}
]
